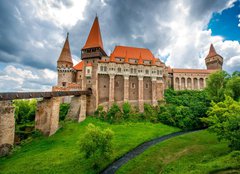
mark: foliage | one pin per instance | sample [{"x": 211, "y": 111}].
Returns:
[
  {"x": 184, "y": 109},
  {"x": 64, "y": 107},
  {"x": 150, "y": 113},
  {"x": 100, "y": 113},
  {"x": 114, "y": 114},
  {"x": 25, "y": 110},
  {"x": 127, "y": 109},
  {"x": 233, "y": 87},
  {"x": 97, "y": 144},
  {"x": 216, "y": 85},
  {"x": 224, "y": 120}
]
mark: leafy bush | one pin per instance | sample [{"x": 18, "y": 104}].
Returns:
[
  {"x": 224, "y": 120},
  {"x": 25, "y": 110},
  {"x": 96, "y": 145},
  {"x": 114, "y": 114},
  {"x": 100, "y": 113},
  {"x": 184, "y": 109},
  {"x": 64, "y": 107},
  {"x": 150, "y": 113},
  {"x": 127, "y": 109}
]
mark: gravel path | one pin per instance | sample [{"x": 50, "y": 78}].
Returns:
[{"x": 112, "y": 168}]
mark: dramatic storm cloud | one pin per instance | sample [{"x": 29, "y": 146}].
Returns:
[{"x": 32, "y": 34}]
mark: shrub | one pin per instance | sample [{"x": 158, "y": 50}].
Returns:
[
  {"x": 126, "y": 107},
  {"x": 224, "y": 120},
  {"x": 96, "y": 145},
  {"x": 64, "y": 107},
  {"x": 184, "y": 109},
  {"x": 150, "y": 113},
  {"x": 114, "y": 114},
  {"x": 100, "y": 113}
]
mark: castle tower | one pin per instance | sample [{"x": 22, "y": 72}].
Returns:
[
  {"x": 213, "y": 60},
  {"x": 91, "y": 53},
  {"x": 65, "y": 65}
]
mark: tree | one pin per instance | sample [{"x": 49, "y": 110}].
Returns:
[
  {"x": 25, "y": 110},
  {"x": 224, "y": 120},
  {"x": 96, "y": 145},
  {"x": 233, "y": 87},
  {"x": 236, "y": 74},
  {"x": 216, "y": 84}
]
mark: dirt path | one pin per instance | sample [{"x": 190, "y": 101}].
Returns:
[{"x": 112, "y": 168}]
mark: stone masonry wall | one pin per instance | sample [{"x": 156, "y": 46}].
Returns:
[
  {"x": 47, "y": 115},
  {"x": 118, "y": 88},
  {"x": 7, "y": 127}
]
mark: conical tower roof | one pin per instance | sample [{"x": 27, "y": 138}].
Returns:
[
  {"x": 212, "y": 51},
  {"x": 65, "y": 55},
  {"x": 94, "y": 38}
]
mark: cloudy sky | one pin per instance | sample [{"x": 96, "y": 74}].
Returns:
[{"x": 179, "y": 32}]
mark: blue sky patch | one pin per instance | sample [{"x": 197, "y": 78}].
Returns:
[{"x": 226, "y": 23}]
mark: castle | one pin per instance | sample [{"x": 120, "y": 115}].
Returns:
[{"x": 128, "y": 74}]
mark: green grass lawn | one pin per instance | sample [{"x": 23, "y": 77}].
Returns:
[
  {"x": 195, "y": 153},
  {"x": 60, "y": 153}
]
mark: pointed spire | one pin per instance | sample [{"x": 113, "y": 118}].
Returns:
[
  {"x": 94, "y": 38},
  {"x": 212, "y": 51},
  {"x": 65, "y": 55},
  {"x": 126, "y": 58},
  {"x": 140, "y": 59}
]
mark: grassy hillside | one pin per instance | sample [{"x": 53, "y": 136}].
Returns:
[
  {"x": 60, "y": 153},
  {"x": 195, "y": 153}
]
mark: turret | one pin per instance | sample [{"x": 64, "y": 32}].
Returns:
[
  {"x": 213, "y": 60},
  {"x": 91, "y": 52},
  {"x": 93, "y": 47},
  {"x": 65, "y": 65}
]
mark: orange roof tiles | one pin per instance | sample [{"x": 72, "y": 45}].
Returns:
[
  {"x": 140, "y": 62},
  {"x": 212, "y": 52},
  {"x": 126, "y": 58},
  {"x": 112, "y": 59},
  {"x": 65, "y": 55},
  {"x": 205, "y": 71},
  {"x": 133, "y": 52},
  {"x": 79, "y": 66},
  {"x": 94, "y": 38}
]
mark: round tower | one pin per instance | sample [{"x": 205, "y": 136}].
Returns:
[
  {"x": 65, "y": 65},
  {"x": 213, "y": 60}
]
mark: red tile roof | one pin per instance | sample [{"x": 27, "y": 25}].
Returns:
[
  {"x": 79, "y": 66},
  {"x": 140, "y": 62},
  {"x": 65, "y": 55},
  {"x": 133, "y": 52},
  {"x": 204, "y": 71},
  {"x": 94, "y": 38}
]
